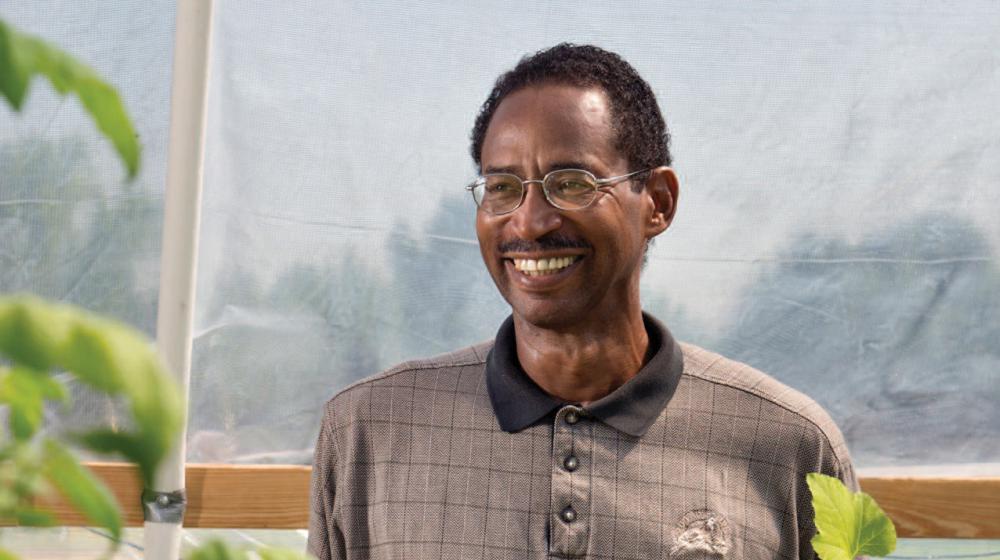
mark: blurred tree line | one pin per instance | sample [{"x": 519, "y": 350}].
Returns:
[
  {"x": 65, "y": 238},
  {"x": 897, "y": 336}
]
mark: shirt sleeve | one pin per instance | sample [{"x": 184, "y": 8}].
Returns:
[{"x": 326, "y": 541}]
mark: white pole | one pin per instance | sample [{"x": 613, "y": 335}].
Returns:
[{"x": 181, "y": 217}]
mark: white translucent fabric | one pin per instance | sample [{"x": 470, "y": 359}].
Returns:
[
  {"x": 837, "y": 224},
  {"x": 72, "y": 228}
]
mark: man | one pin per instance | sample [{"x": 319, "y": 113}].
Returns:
[{"x": 584, "y": 430}]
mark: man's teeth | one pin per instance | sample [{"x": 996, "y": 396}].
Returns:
[{"x": 541, "y": 267}]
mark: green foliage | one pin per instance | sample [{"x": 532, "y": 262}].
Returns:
[
  {"x": 103, "y": 354},
  {"x": 38, "y": 337},
  {"x": 21, "y": 478},
  {"x": 848, "y": 524},
  {"x": 79, "y": 486},
  {"x": 217, "y": 550},
  {"x": 281, "y": 554},
  {"x": 25, "y": 391},
  {"x": 23, "y": 56}
]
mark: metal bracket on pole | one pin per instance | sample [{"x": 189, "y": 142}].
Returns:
[{"x": 163, "y": 507}]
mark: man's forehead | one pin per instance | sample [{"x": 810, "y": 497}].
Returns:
[
  {"x": 584, "y": 105},
  {"x": 557, "y": 123}
]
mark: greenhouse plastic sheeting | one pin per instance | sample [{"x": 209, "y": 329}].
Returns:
[
  {"x": 72, "y": 227},
  {"x": 837, "y": 226}
]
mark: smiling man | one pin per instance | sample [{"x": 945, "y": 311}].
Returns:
[{"x": 584, "y": 430}]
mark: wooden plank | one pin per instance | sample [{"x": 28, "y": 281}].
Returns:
[
  {"x": 219, "y": 496},
  {"x": 121, "y": 478},
  {"x": 277, "y": 497},
  {"x": 957, "y": 508},
  {"x": 254, "y": 497}
]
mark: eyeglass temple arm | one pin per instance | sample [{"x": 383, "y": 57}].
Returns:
[{"x": 612, "y": 180}]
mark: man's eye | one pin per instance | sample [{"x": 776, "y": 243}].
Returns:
[
  {"x": 500, "y": 188},
  {"x": 572, "y": 187}
]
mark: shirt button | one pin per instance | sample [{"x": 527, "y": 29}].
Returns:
[
  {"x": 568, "y": 515},
  {"x": 571, "y": 463},
  {"x": 572, "y": 417}
]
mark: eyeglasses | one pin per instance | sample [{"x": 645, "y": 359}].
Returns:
[{"x": 566, "y": 189}]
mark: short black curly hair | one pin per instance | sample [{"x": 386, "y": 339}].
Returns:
[{"x": 640, "y": 132}]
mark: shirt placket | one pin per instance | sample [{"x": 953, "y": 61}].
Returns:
[{"x": 570, "y": 502}]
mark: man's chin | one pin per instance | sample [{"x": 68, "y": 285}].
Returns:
[{"x": 548, "y": 315}]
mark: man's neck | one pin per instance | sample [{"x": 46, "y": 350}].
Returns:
[{"x": 585, "y": 363}]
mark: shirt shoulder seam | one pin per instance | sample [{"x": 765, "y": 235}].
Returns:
[
  {"x": 826, "y": 437},
  {"x": 333, "y": 468},
  {"x": 408, "y": 368}
]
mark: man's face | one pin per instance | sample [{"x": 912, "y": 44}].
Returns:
[{"x": 537, "y": 130}]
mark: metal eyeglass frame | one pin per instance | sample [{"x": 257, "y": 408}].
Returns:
[{"x": 598, "y": 184}]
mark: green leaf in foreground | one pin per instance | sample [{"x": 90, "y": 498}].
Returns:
[
  {"x": 849, "y": 524},
  {"x": 216, "y": 550},
  {"x": 31, "y": 517},
  {"x": 13, "y": 75},
  {"x": 105, "y": 355},
  {"x": 80, "y": 488},
  {"x": 23, "y": 56},
  {"x": 25, "y": 391},
  {"x": 282, "y": 554}
]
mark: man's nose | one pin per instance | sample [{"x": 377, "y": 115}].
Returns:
[{"x": 535, "y": 217}]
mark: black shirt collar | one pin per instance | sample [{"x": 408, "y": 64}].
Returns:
[{"x": 632, "y": 408}]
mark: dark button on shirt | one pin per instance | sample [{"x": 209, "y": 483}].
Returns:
[{"x": 518, "y": 403}]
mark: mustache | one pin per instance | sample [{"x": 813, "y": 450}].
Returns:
[{"x": 547, "y": 243}]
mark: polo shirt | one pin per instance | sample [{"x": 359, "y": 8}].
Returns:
[{"x": 463, "y": 456}]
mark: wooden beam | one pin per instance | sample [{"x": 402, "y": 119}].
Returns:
[
  {"x": 219, "y": 496},
  {"x": 277, "y": 497},
  {"x": 954, "y": 508}
]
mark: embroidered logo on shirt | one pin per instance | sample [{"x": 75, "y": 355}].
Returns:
[{"x": 701, "y": 532}]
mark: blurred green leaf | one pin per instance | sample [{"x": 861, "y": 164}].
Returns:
[
  {"x": 848, "y": 524},
  {"x": 105, "y": 355},
  {"x": 23, "y": 56},
  {"x": 20, "y": 475},
  {"x": 25, "y": 391},
  {"x": 108, "y": 441},
  {"x": 5, "y": 555},
  {"x": 13, "y": 76},
  {"x": 35, "y": 518},
  {"x": 100, "y": 353},
  {"x": 282, "y": 554},
  {"x": 80, "y": 488},
  {"x": 217, "y": 550},
  {"x": 33, "y": 335}
]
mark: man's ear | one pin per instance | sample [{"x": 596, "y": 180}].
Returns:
[{"x": 663, "y": 188}]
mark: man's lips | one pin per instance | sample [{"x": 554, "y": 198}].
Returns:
[
  {"x": 519, "y": 270},
  {"x": 543, "y": 262}
]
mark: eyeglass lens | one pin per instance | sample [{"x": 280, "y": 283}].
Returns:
[{"x": 568, "y": 189}]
